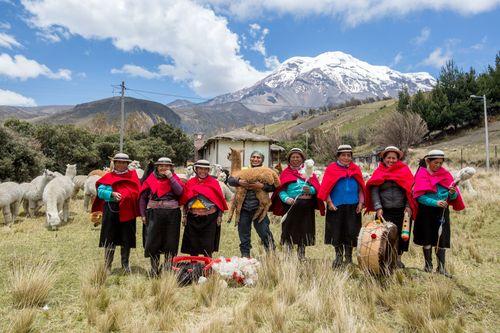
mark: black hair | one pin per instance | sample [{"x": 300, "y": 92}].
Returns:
[{"x": 149, "y": 169}]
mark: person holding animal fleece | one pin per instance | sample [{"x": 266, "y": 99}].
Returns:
[
  {"x": 160, "y": 213},
  {"x": 296, "y": 196},
  {"x": 390, "y": 193},
  {"x": 249, "y": 208},
  {"x": 434, "y": 191},
  {"x": 117, "y": 199},
  {"x": 344, "y": 191},
  {"x": 204, "y": 205}
]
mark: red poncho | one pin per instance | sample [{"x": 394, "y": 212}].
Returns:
[
  {"x": 426, "y": 182},
  {"x": 208, "y": 187},
  {"x": 334, "y": 173},
  {"x": 399, "y": 173},
  {"x": 159, "y": 186},
  {"x": 128, "y": 186},
  {"x": 288, "y": 176}
]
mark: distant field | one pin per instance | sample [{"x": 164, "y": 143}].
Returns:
[{"x": 289, "y": 297}]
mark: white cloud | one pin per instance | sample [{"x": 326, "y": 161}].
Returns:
[
  {"x": 437, "y": 58},
  {"x": 480, "y": 45},
  {"x": 137, "y": 71},
  {"x": 351, "y": 12},
  {"x": 8, "y": 41},
  {"x": 423, "y": 37},
  {"x": 19, "y": 67},
  {"x": 4, "y": 25},
  {"x": 8, "y": 97},
  {"x": 271, "y": 62},
  {"x": 397, "y": 59},
  {"x": 197, "y": 44},
  {"x": 259, "y": 33}
]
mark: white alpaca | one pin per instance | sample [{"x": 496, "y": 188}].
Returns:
[
  {"x": 366, "y": 176},
  {"x": 228, "y": 194},
  {"x": 57, "y": 195},
  {"x": 11, "y": 195},
  {"x": 136, "y": 165},
  {"x": 79, "y": 182},
  {"x": 25, "y": 187},
  {"x": 89, "y": 191},
  {"x": 32, "y": 197},
  {"x": 184, "y": 177}
]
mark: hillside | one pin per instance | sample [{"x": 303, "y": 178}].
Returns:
[
  {"x": 30, "y": 112},
  {"x": 148, "y": 112}
]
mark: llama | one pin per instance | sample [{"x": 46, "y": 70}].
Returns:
[
  {"x": 98, "y": 172},
  {"x": 136, "y": 165},
  {"x": 32, "y": 197},
  {"x": 57, "y": 195},
  {"x": 251, "y": 175},
  {"x": 79, "y": 182},
  {"x": 11, "y": 195},
  {"x": 89, "y": 191}
]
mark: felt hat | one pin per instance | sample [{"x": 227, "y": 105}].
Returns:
[
  {"x": 344, "y": 149},
  {"x": 121, "y": 157},
  {"x": 393, "y": 149},
  {"x": 164, "y": 161},
  {"x": 295, "y": 151},
  {"x": 202, "y": 164},
  {"x": 435, "y": 153}
]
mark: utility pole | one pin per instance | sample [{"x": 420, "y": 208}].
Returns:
[
  {"x": 487, "y": 142},
  {"x": 122, "y": 122}
]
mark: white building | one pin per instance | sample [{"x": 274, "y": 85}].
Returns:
[{"x": 216, "y": 148}]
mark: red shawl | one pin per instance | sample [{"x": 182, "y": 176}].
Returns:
[
  {"x": 334, "y": 173},
  {"x": 288, "y": 176},
  {"x": 426, "y": 182},
  {"x": 128, "y": 186},
  {"x": 159, "y": 186},
  {"x": 208, "y": 187},
  {"x": 399, "y": 173}
]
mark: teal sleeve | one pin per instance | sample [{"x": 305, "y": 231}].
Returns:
[
  {"x": 312, "y": 189},
  {"x": 427, "y": 200},
  {"x": 453, "y": 196},
  {"x": 283, "y": 196},
  {"x": 104, "y": 192}
]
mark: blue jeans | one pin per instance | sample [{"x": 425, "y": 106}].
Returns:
[{"x": 245, "y": 232}]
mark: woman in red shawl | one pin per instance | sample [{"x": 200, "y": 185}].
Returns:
[
  {"x": 435, "y": 191},
  {"x": 389, "y": 193},
  {"x": 343, "y": 189},
  {"x": 160, "y": 213},
  {"x": 297, "y": 196},
  {"x": 117, "y": 199},
  {"x": 204, "y": 205}
]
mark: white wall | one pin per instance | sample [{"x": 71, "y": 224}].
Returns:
[{"x": 220, "y": 149}]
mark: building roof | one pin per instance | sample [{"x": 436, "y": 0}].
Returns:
[
  {"x": 239, "y": 135},
  {"x": 275, "y": 147}
]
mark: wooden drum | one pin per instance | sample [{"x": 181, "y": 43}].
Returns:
[{"x": 376, "y": 251}]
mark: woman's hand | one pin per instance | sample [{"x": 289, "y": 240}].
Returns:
[
  {"x": 452, "y": 190},
  {"x": 219, "y": 220},
  {"x": 117, "y": 196},
  {"x": 184, "y": 220},
  {"x": 331, "y": 206},
  {"x": 408, "y": 211},
  {"x": 442, "y": 203},
  {"x": 306, "y": 189},
  {"x": 379, "y": 214},
  {"x": 290, "y": 201},
  {"x": 359, "y": 208},
  {"x": 255, "y": 186},
  {"x": 167, "y": 173}
]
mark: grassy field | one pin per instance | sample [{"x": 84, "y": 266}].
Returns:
[{"x": 290, "y": 296}]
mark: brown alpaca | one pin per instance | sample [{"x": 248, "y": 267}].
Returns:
[
  {"x": 97, "y": 172},
  {"x": 259, "y": 174}
]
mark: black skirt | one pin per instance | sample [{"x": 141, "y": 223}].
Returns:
[
  {"x": 201, "y": 235},
  {"x": 162, "y": 232},
  {"x": 425, "y": 231},
  {"x": 299, "y": 226},
  {"x": 396, "y": 216},
  {"x": 114, "y": 232},
  {"x": 342, "y": 226}
]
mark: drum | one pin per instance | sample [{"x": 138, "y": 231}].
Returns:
[{"x": 376, "y": 251}]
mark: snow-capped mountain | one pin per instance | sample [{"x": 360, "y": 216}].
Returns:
[{"x": 328, "y": 79}]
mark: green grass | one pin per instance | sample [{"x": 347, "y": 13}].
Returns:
[{"x": 290, "y": 296}]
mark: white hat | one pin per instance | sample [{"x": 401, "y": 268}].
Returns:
[
  {"x": 344, "y": 149},
  {"x": 435, "y": 153},
  {"x": 121, "y": 157},
  {"x": 202, "y": 164},
  {"x": 393, "y": 149},
  {"x": 164, "y": 161}
]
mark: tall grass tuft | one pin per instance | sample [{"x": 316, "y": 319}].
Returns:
[
  {"x": 23, "y": 322},
  {"x": 164, "y": 292},
  {"x": 211, "y": 293},
  {"x": 30, "y": 283}
]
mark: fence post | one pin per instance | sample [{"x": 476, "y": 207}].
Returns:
[
  {"x": 461, "y": 158},
  {"x": 496, "y": 158}
]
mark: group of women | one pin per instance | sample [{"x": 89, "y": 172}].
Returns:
[{"x": 391, "y": 192}]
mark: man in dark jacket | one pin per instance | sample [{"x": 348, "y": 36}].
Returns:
[{"x": 250, "y": 205}]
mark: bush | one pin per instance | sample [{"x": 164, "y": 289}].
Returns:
[{"x": 402, "y": 130}]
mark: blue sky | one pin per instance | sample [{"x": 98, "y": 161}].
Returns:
[{"x": 70, "y": 51}]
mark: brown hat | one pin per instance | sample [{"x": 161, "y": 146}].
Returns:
[
  {"x": 393, "y": 149},
  {"x": 295, "y": 151}
]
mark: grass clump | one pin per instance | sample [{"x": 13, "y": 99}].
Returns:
[{"x": 30, "y": 283}]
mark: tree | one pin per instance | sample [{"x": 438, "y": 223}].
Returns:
[
  {"x": 181, "y": 144},
  {"x": 402, "y": 130},
  {"x": 403, "y": 100},
  {"x": 324, "y": 144}
]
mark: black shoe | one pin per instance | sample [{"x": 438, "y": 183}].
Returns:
[
  {"x": 428, "y": 260},
  {"x": 339, "y": 254},
  {"x": 441, "y": 254},
  {"x": 348, "y": 254},
  {"x": 400, "y": 264},
  {"x": 125, "y": 253},
  {"x": 301, "y": 253}
]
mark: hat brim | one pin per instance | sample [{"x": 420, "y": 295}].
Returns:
[
  {"x": 164, "y": 163},
  {"x": 427, "y": 157},
  {"x": 397, "y": 151}
]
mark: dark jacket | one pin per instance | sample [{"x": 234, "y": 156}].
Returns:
[{"x": 388, "y": 195}]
